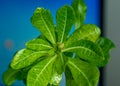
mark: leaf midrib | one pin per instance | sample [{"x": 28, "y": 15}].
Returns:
[
  {"x": 11, "y": 75},
  {"x": 78, "y": 47},
  {"x": 44, "y": 69},
  {"x": 41, "y": 45},
  {"x": 64, "y": 25},
  {"x": 80, "y": 71},
  {"x": 61, "y": 56},
  {"x": 29, "y": 56},
  {"x": 90, "y": 34},
  {"x": 47, "y": 28}
]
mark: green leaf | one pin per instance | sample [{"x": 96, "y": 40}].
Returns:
[
  {"x": 40, "y": 74},
  {"x": 24, "y": 72},
  {"x": 56, "y": 51},
  {"x": 69, "y": 78},
  {"x": 59, "y": 64},
  {"x": 83, "y": 73},
  {"x": 42, "y": 20},
  {"x": 80, "y": 12},
  {"x": 26, "y": 57},
  {"x": 69, "y": 54},
  {"x": 88, "y": 31},
  {"x": 41, "y": 36},
  {"x": 86, "y": 50},
  {"x": 10, "y": 76},
  {"x": 58, "y": 68},
  {"x": 106, "y": 46},
  {"x": 23, "y": 76},
  {"x": 38, "y": 44},
  {"x": 65, "y": 19}
]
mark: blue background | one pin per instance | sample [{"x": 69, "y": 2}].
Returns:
[{"x": 16, "y": 29}]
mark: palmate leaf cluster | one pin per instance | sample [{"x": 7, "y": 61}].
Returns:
[{"x": 55, "y": 51}]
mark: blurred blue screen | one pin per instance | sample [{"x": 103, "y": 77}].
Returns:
[{"x": 16, "y": 29}]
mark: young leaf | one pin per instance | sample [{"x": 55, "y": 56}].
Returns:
[
  {"x": 38, "y": 44},
  {"x": 10, "y": 76},
  {"x": 106, "y": 46},
  {"x": 80, "y": 12},
  {"x": 40, "y": 74},
  {"x": 65, "y": 19},
  {"x": 86, "y": 50},
  {"x": 26, "y": 57},
  {"x": 42, "y": 20},
  {"x": 89, "y": 32},
  {"x": 83, "y": 73}
]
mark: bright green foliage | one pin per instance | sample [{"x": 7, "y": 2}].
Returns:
[
  {"x": 42, "y": 20},
  {"x": 106, "y": 46},
  {"x": 38, "y": 44},
  {"x": 10, "y": 76},
  {"x": 55, "y": 51},
  {"x": 69, "y": 78},
  {"x": 89, "y": 32},
  {"x": 83, "y": 73},
  {"x": 40, "y": 74},
  {"x": 59, "y": 64},
  {"x": 65, "y": 19},
  {"x": 80, "y": 12},
  {"x": 25, "y": 57},
  {"x": 86, "y": 50}
]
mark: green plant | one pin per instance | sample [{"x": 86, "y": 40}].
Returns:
[{"x": 55, "y": 51}]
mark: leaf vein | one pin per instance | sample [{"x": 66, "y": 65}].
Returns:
[
  {"x": 80, "y": 71},
  {"x": 63, "y": 33},
  {"x": 44, "y": 69},
  {"x": 47, "y": 28}
]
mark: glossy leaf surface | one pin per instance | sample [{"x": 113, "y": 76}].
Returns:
[
  {"x": 65, "y": 18},
  {"x": 58, "y": 50},
  {"x": 42, "y": 20},
  {"x": 80, "y": 8},
  {"x": 86, "y": 50},
  {"x": 38, "y": 44},
  {"x": 83, "y": 73},
  {"x": 25, "y": 57},
  {"x": 40, "y": 74},
  {"x": 89, "y": 32}
]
